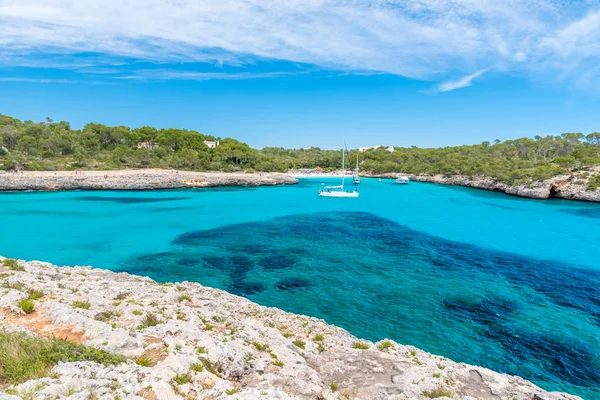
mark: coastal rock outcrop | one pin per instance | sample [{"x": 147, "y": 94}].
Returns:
[
  {"x": 144, "y": 179},
  {"x": 572, "y": 187},
  {"x": 188, "y": 341}
]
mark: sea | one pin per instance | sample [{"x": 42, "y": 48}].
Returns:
[{"x": 502, "y": 282}]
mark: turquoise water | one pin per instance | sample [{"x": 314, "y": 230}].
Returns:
[{"x": 508, "y": 283}]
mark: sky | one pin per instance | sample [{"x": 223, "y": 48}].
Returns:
[{"x": 300, "y": 73}]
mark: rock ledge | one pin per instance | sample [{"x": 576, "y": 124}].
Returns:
[{"x": 225, "y": 345}]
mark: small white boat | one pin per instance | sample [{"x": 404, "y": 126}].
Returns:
[
  {"x": 379, "y": 180},
  {"x": 338, "y": 191},
  {"x": 328, "y": 191},
  {"x": 402, "y": 179}
]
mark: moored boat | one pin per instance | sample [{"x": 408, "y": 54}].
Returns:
[
  {"x": 402, "y": 179},
  {"x": 338, "y": 191}
]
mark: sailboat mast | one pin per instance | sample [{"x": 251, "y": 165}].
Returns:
[{"x": 343, "y": 164}]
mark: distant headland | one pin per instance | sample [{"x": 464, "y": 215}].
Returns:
[
  {"x": 565, "y": 166},
  {"x": 145, "y": 179}
]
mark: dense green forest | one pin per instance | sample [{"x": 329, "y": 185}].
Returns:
[{"x": 52, "y": 145}]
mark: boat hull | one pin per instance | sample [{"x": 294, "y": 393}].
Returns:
[{"x": 339, "y": 194}]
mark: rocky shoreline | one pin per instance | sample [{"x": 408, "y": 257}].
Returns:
[
  {"x": 147, "y": 179},
  {"x": 205, "y": 343},
  {"x": 569, "y": 187}
]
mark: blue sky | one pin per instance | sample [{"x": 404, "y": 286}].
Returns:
[{"x": 300, "y": 73}]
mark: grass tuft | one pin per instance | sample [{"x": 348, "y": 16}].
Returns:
[
  {"x": 13, "y": 265},
  {"x": 214, "y": 369},
  {"x": 81, "y": 304},
  {"x": 360, "y": 345},
  {"x": 197, "y": 367},
  {"x": 299, "y": 343},
  {"x": 229, "y": 392},
  {"x": 122, "y": 296},
  {"x": 437, "y": 392},
  {"x": 26, "y": 305},
  {"x": 151, "y": 320},
  {"x": 318, "y": 338},
  {"x": 26, "y": 357},
  {"x": 182, "y": 379},
  {"x": 184, "y": 297},
  {"x": 260, "y": 347},
  {"x": 35, "y": 294},
  {"x": 386, "y": 344},
  {"x": 104, "y": 316},
  {"x": 144, "y": 361}
]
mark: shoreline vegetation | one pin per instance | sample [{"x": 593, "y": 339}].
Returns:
[
  {"x": 98, "y": 334},
  {"x": 565, "y": 166}
]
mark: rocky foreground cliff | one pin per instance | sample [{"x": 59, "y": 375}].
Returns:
[
  {"x": 570, "y": 187},
  {"x": 173, "y": 341},
  {"x": 144, "y": 179}
]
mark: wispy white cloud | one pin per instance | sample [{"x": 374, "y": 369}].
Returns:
[
  {"x": 33, "y": 80},
  {"x": 460, "y": 83},
  {"x": 167, "y": 74},
  {"x": 422, "y": 39}
]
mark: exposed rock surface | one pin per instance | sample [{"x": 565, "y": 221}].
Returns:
[
  {"x": 144, "y": 179},
  {"x": 573, "y": 187},
  {"x": 246, "y": 351}
]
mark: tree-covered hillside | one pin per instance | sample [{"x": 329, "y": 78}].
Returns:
[{"x": 55, "y": 146}]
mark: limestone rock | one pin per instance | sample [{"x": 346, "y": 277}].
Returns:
[{"x": 205, "y": 343}]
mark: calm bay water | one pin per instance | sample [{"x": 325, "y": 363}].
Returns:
[{"x": 511, "y": 284}]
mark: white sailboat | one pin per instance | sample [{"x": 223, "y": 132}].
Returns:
[
  {"x": 355, "y": 176},
  {"x": 338, "y": 191}
]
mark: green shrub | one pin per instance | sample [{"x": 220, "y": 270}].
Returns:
[
  {"x": 184, "y": 297},
  {"x": 386, "y": 344},
  {"x": 182, "y": 379},
  {"x": 278, "y": 363},
  {"x": 13, "y": 264},
  {"x": 299, "y": 343},
  {"x": 26, "y": 357},
  {"x": 151, "y": 320},
  {"x": 122, "y": 296},
  {"x": 201, "y": 350},
  {"x": 333, "y": 386},
  {"x": 16, "y": 286},
  {"x": 35, "y": 294},
  {"x": 594, "y": 183},
  {"x": 137, "y": 312},
  {"x": 197, "y": 367},
  {"x": 260, "y": 347},
  {"x": 318, "y": 337},
  {"x": 81, "y": 304},
  {"x": 360, "y": 345},
  {"x": 214, "y": 369},
  {"x": 229, "y": 392},
  {"x": 437, "y": 392},
  {"x": 107, "y": 315},
  {"x": 26, "y": 305},
  {"x": 144, "y": 361}
]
